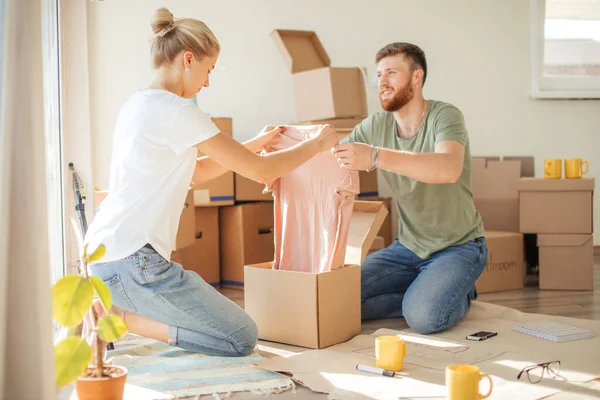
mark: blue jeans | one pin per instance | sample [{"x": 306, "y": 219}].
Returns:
[
  {"x": 432, "y": 295},
  {"x": 200, "y": 319}
]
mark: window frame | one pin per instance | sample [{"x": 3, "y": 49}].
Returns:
[{"x": 542, "y": 87}]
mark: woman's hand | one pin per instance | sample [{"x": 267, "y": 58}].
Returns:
[
  {"x": 327, "y": 137},
  {"x": 262, "y": 140}
]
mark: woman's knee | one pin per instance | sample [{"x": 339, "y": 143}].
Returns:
[{"x": 245, "y": 338}]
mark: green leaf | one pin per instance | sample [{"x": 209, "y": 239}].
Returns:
[
  {"x": 97, "y": 255},
  {"x": 111, "y": 328},
  {"x": 71, "y": 299},
  {"x": 71, "y": 357},
  {"x": 103, "y": 292}
]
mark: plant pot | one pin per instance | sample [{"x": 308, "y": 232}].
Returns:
[{"x": 107, "y": 388}]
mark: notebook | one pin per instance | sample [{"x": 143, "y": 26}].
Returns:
[{"x": 554, "y": 331}]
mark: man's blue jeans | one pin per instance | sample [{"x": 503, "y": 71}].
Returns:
[{"x": 432, "y": 295}]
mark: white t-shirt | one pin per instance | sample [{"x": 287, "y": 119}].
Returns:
[{"x": 152, "y": 165}]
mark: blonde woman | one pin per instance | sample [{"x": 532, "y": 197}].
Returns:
[{"x": 156, "y": 141}]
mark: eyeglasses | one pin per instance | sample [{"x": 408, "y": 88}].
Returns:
[{"x": 535, "y": 373}]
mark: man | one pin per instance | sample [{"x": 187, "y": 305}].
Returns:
[{"x": 428, "y": 275}]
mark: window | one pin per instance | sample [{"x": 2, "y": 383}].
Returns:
[{"x": 565, "y": 49}]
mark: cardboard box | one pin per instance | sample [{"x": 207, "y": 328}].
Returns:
[
  {"x": 566, "y": 262},
  {"x": 378, "y": 244},
  {"x": 219, "y": 191},
  {"x": 249, "y": 190},
  {"x": 556, "y": 205},
  {"x": 338, "y": 123},
  {"x": 202, "y": 256},
  {"x": 321, "y": 92},
  {"x": 504, "y": 269},
  {"x": 187, "y": 224},
  {"x": 99, "y": 196},
  {"x": 314, "y": 310},
  {"x": 187, "y": 221},
  {"x": 386, "y": 228},
  {"x": 495, "y": 194},
  {"x": 246, "y": 237}
]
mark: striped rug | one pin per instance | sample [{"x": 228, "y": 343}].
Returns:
[{"x": 169, "y": 370}]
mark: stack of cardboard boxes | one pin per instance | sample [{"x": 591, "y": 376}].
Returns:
[
  {"x": 495, "y": 192},
  {"x": 234, "y": 221},
  {"x": 203, "y": 254},
  {"x": 560, "y": 212},
  {"x": 535, "y": 222}
]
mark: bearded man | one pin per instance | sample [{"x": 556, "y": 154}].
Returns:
[{"x": 427, "y": 276}]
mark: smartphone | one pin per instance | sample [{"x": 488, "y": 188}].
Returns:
[{"x": 481, "y": 335}]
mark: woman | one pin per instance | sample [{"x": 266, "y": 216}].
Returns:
[{"x": 157, "y": 137}]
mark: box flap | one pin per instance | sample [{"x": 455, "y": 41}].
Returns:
[
  {"x": 301, "y": 50},
  {"x": 501, "y": 234},
  {"x": 367, "y": 218},
  {"x": 548, "y": 185},
  {"x": 494, "y": 179},
  {"x": 562, "y": 240},
  {"x": 527, "y": 165}
]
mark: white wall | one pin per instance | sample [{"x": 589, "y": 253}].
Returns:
[{"x": 478, "y": 54}]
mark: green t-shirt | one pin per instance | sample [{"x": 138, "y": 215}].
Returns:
[{"x": 432, "y": 217}]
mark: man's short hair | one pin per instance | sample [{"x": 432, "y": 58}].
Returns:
[{"x": 411, "y": 52}]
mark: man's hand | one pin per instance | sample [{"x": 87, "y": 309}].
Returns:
[{"x": 353, "y": 156}]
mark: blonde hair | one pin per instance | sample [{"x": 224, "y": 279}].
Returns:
[{"x": 174, "y": 36}]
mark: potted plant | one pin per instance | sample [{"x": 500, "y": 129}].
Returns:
[{"x": 76, "y": 360}]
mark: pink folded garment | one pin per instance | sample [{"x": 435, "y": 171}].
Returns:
[{"x": 313, "y": 206}]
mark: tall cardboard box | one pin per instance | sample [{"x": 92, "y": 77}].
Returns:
[
  {"x": 187, "y": 220},
  {"x": 314, "y": 310},
  {"x": 495, "y": 194},
  {"x": 504, "y": 269},
  {"x": 187, "y": 224},
  {"x": 560, "y": 206},
  {"x": 202, "y": 256},
  {"x": 246, "y": 237},
  {"x": 321, "y": 91},
  {"x": 566, "y": 262},
  {"x": 249, "y": 190},
  {"x": 219, "y": 191}
]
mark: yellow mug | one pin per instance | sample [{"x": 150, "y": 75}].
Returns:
[
  {"x": 553, "y": 168},
  {"x": 389, "y": 353},
  {"x": 462, "y": 382},
  {"x": 574, "y": 167}
]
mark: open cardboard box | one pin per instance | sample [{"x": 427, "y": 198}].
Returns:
[
  {"x": 495, "y": 194},
  {"x": 314, "y": 310},
  {"x": 321, "y": 92}
]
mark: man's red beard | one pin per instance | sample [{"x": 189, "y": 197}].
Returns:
[{"x": 399, "y": 100}]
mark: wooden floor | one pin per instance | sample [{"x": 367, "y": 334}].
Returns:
[
  {"x": 564, "y": 303},
  {"x": 576, "y": 304}
]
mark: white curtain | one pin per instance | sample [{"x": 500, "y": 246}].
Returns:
[{"x": 26, "y": 357}]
